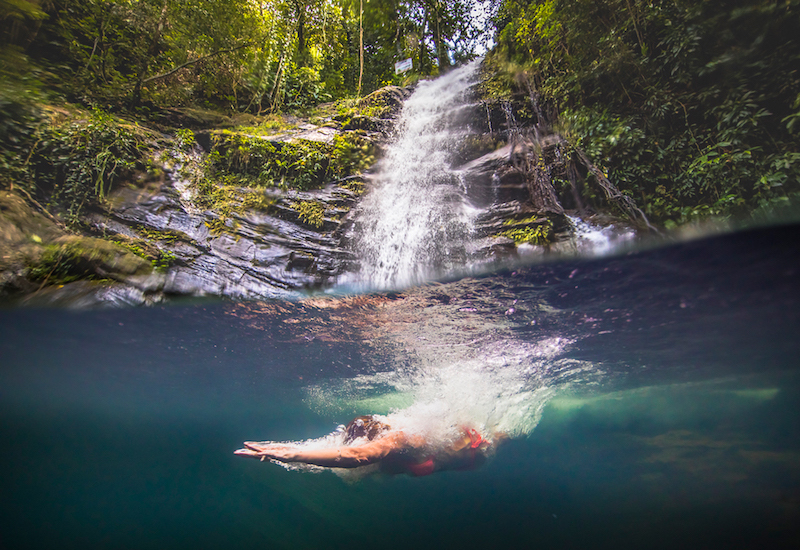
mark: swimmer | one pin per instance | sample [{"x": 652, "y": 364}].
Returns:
[{"x": 368, "y": 440}]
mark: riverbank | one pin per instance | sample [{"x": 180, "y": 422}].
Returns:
[{"x": 112, "y": 209}]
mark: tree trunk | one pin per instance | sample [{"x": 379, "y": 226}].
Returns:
[
  {"x": 273, "y": 95},
  {"x": 360, "y": 47},
  {"x": 151, "y": 51},
  {"x": 302, "y": 46},
  {"x": 441, "y": 47}
]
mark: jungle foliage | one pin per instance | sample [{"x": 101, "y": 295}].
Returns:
[
  {"x": 72, "y": 159},
  {"x": 690, "y": 107},
  {"x": 74, "y": 73},
  {"x": 245, "y": 56}
]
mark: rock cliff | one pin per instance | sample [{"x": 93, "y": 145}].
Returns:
[{"x": 168, "y": 236}]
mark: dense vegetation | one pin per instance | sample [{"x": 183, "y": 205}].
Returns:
[
  {"x": 81, "y": 80},
  {"x": 256, "y": 55},
  {"x": 691, "y": 107}
]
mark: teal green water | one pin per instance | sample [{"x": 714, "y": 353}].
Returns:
[{"x": 679, "y": 429}]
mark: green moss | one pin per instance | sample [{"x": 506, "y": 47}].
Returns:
[
  {"x": 380, "y": 103},
  {"x": 310, "y": 212},
  {"x": 346, "y": 108},
  {"x": 82, "y": 159},
  {"x": 531, "y": 230},
  {"x": 165, "y": 236},
  {"x": 56, "y": 265},
  {"x": 367, "y": 111},
  {"x": 218, "y": 226},
  {"x": 73, "y": 258},
  {"x": 159, "y": 259},
  {"x": 269, "y": 125},
  {"x": 164, "y": 261},
  {"x": 355, "y": 186},
  {"x": 228, "y": 201},
  {"x": 184, "y": 139},
  {"x": 529, "y": 220}
]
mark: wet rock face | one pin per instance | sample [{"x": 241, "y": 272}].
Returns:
[
  {"x": 284, "y": 242},
  {"x": 254, "y": 254},
  {"x": 490, "y": 162},
  {"x": 272, "y": 249},
  {"x": 150, "y": 240}
]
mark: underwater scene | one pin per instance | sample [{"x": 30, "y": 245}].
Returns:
[
  {"x": 647, "y": 398},
  {"x": 524, "y": 379}
]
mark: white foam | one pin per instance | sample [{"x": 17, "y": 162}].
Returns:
[
  {"x": 596, "y": 240},
  {"x": 414, "y": 222},
  {"x": 496, "y": 388}
]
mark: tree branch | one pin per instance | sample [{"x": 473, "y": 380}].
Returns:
[
  {"x": 612, "y": 193},
  {"x": 192, "y": 62}
]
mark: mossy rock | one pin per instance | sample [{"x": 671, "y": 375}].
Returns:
[
  {"x": 384, "y": 102},
  {"x": 70, "y": 258},
  {"x": 535, "y": 230},
  {"x": 361, "y": 122},
  {"x": 311, "y": 213},
  {"x": 370, "y": 110},
  {"x": 476, "y": 146}
]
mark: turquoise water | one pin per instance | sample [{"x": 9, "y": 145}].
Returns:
[{"x": 666, "y": 381}]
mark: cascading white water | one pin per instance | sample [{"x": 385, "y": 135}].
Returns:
[
  {"x": 592, "y": 240},
  {"x": 414, "y": 222}
]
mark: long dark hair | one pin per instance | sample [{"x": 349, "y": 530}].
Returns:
[{"x": 364, "y": 426}]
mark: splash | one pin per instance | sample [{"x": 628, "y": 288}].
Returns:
[
  {"x": 499, "y": 389},
  {"x": 501, "y": 396},
  {"x": 415, "y": 223},
  {"x": 443, "y": 358}
]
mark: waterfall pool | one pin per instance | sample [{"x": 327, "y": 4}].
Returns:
[{"x": 653, "y": 399}]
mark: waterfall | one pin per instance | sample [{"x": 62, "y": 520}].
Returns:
[
  {"x": 414, "y": 223},
  {"x": 591, "y": 240}
]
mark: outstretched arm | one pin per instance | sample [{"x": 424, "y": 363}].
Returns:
[{"x": 337, "y": 457}]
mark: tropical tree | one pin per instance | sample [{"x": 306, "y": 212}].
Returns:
[
  {"x": 255, "y": 55},
  {"x": 692, "y": 105}
]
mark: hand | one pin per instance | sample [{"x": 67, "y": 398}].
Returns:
[{"x": 274, "y": 451}]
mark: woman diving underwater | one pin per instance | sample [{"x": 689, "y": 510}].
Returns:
[{"x": 370, "y": 440}]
